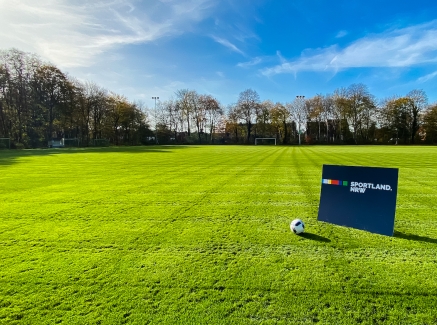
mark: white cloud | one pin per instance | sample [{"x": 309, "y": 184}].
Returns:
[
  {"x": 227, "y": 44},
  {"x": 73, "y": 33},
  {"x": 427, "y": 77},
  {"x": 397, "y": 48},
  {"x": 341, "y": 34},
  {"x": 281, "y": 58},
  {"x": 250, "y": 63}
]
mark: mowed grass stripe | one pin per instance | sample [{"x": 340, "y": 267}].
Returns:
[{"x": 201, "y": 235}]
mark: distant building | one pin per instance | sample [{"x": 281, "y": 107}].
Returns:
[{"x": 56, "y": 143}]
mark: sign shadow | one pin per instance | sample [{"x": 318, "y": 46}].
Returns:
[
  {"x": 424, "y": 239},
  {"x": 315, "y": 237}
]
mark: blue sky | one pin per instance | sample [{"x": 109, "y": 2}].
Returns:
[{"x": 280, "y": 49}]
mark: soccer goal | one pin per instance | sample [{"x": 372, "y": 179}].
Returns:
[
  {"x": 100, "y": 142},
  {"x": 265, "y": 141},
  {"x": 5, "y": 143},
  {"x": 70, "y": 142}
]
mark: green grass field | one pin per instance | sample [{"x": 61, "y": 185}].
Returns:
[{"x": 200, "y": 235}]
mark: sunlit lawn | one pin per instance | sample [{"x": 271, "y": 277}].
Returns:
[{"x": 200, "y": 235}]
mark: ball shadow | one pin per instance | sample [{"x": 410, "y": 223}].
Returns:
[
  {"x": 315, "y": 237},
  {"x": 424, "y": 239}
]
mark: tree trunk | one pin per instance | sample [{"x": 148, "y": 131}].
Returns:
[
  {"x": 414, "y": 127},
  {"x": 249, "y": 127},
  {"x": 285, "y": 140}
]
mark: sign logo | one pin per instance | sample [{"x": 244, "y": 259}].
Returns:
[
  {"x": 334, "y": 182},
  {"x": 358, "y": 187}
]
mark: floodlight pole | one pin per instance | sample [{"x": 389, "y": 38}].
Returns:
[
  {"x": 156, "y": 130},
  {"x": 300, "y": 99}
]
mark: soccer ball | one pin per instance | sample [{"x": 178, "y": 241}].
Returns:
[{"x": 297, "y": 226}]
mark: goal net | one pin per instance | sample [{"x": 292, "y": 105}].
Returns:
[
  {"x": 70, "y": 142},
  {"x": 265, "y": 141},
  {"x": 5, "y": 143},
  {"x": 100, "y": 142}
]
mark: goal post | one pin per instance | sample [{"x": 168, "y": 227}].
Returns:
[
  {"x": 5, "y": 143},
  {"x": 100, "y": 142},
  {"x": 70, "y": 142},
  {"x": 265, "y": 141}
]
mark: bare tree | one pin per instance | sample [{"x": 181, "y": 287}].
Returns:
[
  {"x": 357, "y": 106},
  {"x": 315, "y": 110},
  {"x": 418, "y": 103},
  {"x": 198, "y": 111},
  {"x": 430, "y": 124},
  {"x": 17, "y": 72},
  {"x": 279, "y": 116},
  {"x": 96, "y": 107},
  {"x": 232, "y": 126},
  {"x": 171, "y": 116},
  {"x": 248, "y": 105},
  {"x": 395, "y": 119},
  {"x": 264, "y": 118},
  {"x": 213, "y": 112},
  {"x": 327, "y": 115},
  {"x": 119, "y": 111},
  {"x": 142, "y": 120},
  {"x": 298, "y": 113},
  {"x": 185, "y": 105}
]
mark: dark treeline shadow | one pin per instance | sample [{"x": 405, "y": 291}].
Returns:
[
  {"x": 424, "y": 239},
  {"x": 9, "y": 157},
  {"x": 315, "y": 237}
]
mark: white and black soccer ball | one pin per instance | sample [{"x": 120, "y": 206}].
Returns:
[{"x": 297, "y": 226}]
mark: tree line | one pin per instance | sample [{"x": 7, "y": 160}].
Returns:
[
  {"x": 350, "y": 115},
  {"x": 38, "y": 102}
]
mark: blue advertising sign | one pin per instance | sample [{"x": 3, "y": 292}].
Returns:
[{"x": 359, "y": 197}]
